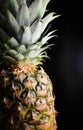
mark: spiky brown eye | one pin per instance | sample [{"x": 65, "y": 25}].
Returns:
[
  {"x": 39, "y": 75},
  {"x": 32, "y": 94},
  {"x": 35, "y": 114},
  {"x": 41, "y": 78},
  {"x": 17, "y": 85},
  {"x": 40, "y": 87},
  {"x": 49, "y": 110},
  {"x": 24, "y": 94},
  {"x": 40, "y": 101},
  {"x": 31, "y": 115},
  {"x": 25, "y": 80},
  {"x": 50, "y": 97},
  {"x": 28, "y": 115},
  {"x": 44, "y": 120},
  {"x": 49, "y": 94}
]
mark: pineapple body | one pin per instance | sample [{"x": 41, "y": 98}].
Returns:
[
  {"x": 26, "y": 91},
  {"x": 27, "y": 99}
]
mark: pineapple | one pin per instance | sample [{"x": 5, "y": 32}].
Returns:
[{"x": 26, "y": 91}]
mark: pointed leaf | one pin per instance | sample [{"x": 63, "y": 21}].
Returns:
[
  {"x": 12, "y": 23},
  {"x": 3, "y": 35},
  {"x": 26, "y": 36},
  {"x": 43, "y": 54},
  {"x": 23, "y": 14},
  {"x": 22, "y": 49},
  {"x": 19, "y": 57},
  {"x": 29, "y": 2},
  {"x": 7, "y": 48},
  {"x": 19, "y": 2},
  {"x": 13, "y": 6},
  {"x": 39, "y": 51},
  {"x": 13, "y": 53},
  {"x": 32, "y": 61},
  {"x": 34, "y": 46},
  {"x": 34, "y": 10},
  {"x": 2, "y": 20},
  {"x": 9, "y": 59},
  {"x": 46, "y": 20},
  {"x": 13, "y": 43},
  {"x": 43, "y": 7},
  {"x": 30, "y": 54},
  {"x": 47, "y": 37},
  {"x": 37, "y": 31}
]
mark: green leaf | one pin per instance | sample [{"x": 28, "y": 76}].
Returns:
[
  {"x": 34, "y": 46},
  {"x": 22, "y": 49},
  {"x": 13, "y": 6},
  {"x": 19, "y": 2},
  {"x": 39, "y": 51},
  {"x": 7, "y": 48},
  {"x": 12, "y": 42},
  {"x": 9, "y": 59},
  {"x": 19, "y": 57},
  {"x": 2, "y": 20},
  {"x": 12, "y": 24},
  {"x": 34, "y": 10},
  {"x": 47, "y": 19},
  {"x": 23, "y": 17},
  {"x": 15, "y": 54},
  {"x": 43, "y": 7},
  {"x": 30, "y": 54},
  {"x": 36, "y": 30},
  {"x": 47, "y": 37},
  {"x": 3, "y": 35},
  {"x": 26, "y": 36},
  {"x": 12, "y": 52}
]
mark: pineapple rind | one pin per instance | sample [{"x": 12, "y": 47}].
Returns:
[{"x": 23, "y": 101}]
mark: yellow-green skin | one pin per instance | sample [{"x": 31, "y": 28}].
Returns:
[{"x": 26, "y": 99}]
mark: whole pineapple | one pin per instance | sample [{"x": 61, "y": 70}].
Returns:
[{"x": 26, "y": 91}]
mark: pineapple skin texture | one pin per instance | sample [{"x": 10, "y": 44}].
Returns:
[{"x": 26, "y": 99}]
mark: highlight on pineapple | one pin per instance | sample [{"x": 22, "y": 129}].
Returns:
[{"x": 26, "y": 91}]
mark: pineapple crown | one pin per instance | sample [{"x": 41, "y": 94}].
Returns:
[{"x": 22, "y": 31}]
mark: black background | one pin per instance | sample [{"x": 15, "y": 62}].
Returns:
[{"x": 65, "y": 66}]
